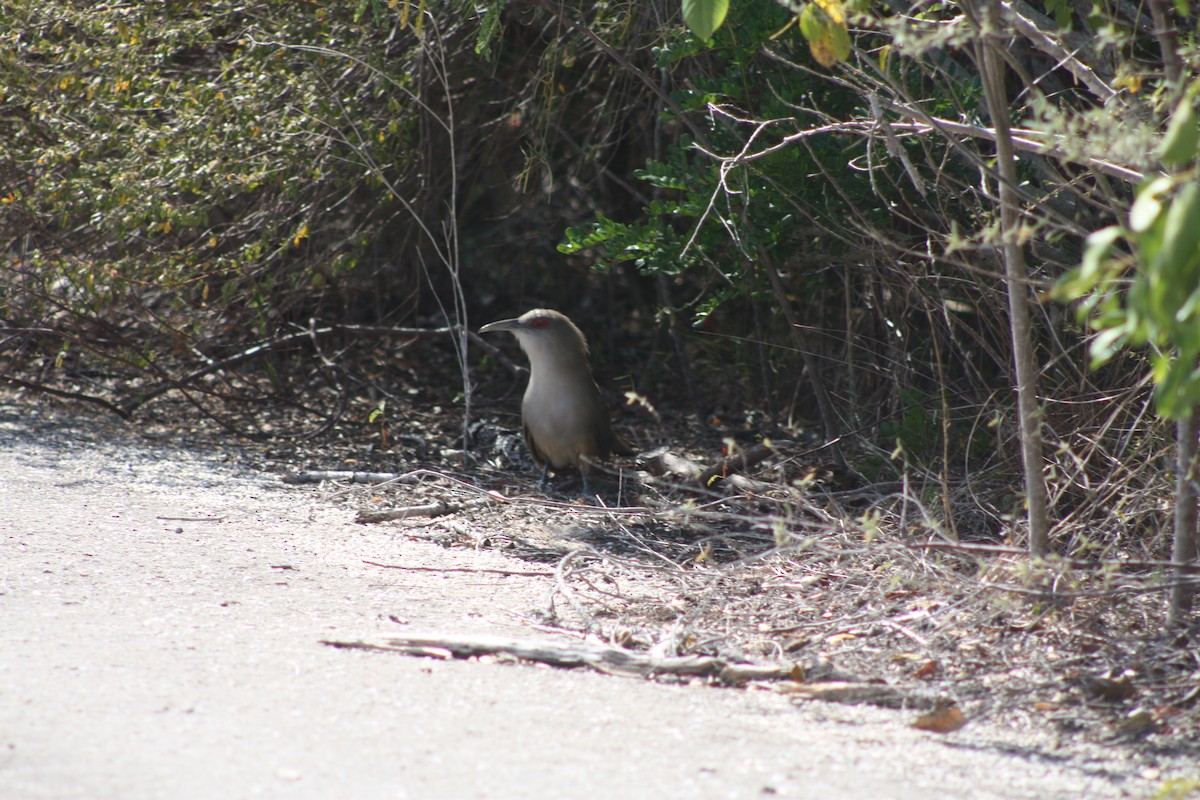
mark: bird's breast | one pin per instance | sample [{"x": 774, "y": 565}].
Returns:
[{"x": 562, "y": 412}]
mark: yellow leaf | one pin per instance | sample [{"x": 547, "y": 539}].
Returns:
[
  {"x": 822, "y": 53},
  {"x": 834, "y": 9},
  {"x": 823, "y": 25},
  {"x": 1127, "y": 79}
]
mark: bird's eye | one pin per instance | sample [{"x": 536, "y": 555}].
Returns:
[{"x": 539, "y": 323}]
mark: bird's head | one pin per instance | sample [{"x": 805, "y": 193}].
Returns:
[{"x": 545, "y": 335}]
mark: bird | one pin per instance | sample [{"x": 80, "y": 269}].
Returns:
[{"x": 564, "y": 418}]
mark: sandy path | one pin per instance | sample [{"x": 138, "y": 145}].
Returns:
[{"x": 143, "y": 657}]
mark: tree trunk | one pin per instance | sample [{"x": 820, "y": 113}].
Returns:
[
  {"x": 1185, "y": 521},
  {"x": 992, "y": 68}
]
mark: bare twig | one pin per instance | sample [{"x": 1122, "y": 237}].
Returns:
[
  {"x": 613, "y": 660},
  {"x": 514, "y": 572},
  {"x": 435, "y": 509}
]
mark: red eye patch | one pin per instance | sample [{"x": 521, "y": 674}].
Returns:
[{"x": 539, "y": 323}]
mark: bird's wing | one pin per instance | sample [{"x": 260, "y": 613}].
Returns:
[{"x": 608, "y": 441}]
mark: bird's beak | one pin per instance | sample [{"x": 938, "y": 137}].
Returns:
[{"x": 501, "y": 325}]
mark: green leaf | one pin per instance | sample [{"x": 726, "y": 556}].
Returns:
[
  {"x": 489, "y": 27},
  {"x": 704, "y": 17},
  {"x": 1099, "y": 245},
  {"x": 1148, "y": 204},
  {"x": 1177, "y": 386},
  {"x": 1105, "y": 345},
  {"x": 1180, "y": 250},
  {"x": 1089, "y": 276},
  {"x": 1187, "y": 313},
  {"x": 1178, "y": 146},
  {"x": 1061, "y": 11}
]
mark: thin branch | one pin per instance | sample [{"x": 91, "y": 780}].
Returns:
[
  {"x": 1025, "y": 370},
  {"x": 522, "y": 573}
]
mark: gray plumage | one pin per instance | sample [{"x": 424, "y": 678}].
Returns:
[{"x": 563, "y": 415}]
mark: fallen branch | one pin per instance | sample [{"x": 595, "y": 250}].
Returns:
[
  {"x": 602, "y": 658},
  {"x": 436, "y": 509},
  {"x": 66, "y": 395},
  {"x": 321, "y": 475},
  {"x": 859, "y": 692},
  {"x": 663, "y": 463},
  {"x": 506, "y": 572}
]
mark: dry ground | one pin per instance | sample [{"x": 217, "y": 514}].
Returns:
[{"x": 1084, "y": 690}]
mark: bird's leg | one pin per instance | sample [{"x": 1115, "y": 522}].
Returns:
[
  {"x": 544, "y": 481},
  {"x": 587, "y": 492}
]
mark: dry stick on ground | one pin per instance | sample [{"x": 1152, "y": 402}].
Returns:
[
  {"x": 473, "y": 570},
  {"x": 437, "y": 509},
  {"x": 614, "y": 660},
  {"x": 67, "y": 395},
  {"x": 661, "y": 462},
  {"x": 322, "y": 475},
  {"x": 619, "y": 661}
]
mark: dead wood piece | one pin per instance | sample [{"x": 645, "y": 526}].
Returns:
[
  {"x": 526, "y": 573},
  {"x": 438, "y": 509},
  {"x": 662, "y": 463},
  {"x": 743, "y": 485},
  {"x": 602, "y": 658},
  {"x": 319, "y": 476},
  {"x": 855, "y": 693}
]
